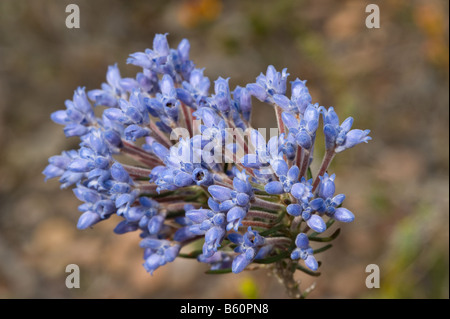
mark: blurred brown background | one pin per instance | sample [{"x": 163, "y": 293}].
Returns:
[{"x": 392, "y": 80}]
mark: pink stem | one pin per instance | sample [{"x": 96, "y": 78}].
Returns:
[
  {"x": 260, "y": 214},
  {"x": 266, "y": 204},
  {"x": 279, "y": 119},
  {"x": 247, "y": 223},
  {"x": 298, "y": 156},
  {"x": 305, "y": 163},
  {"x": 137, "y": 171},
  {"x": 140, "y": 155},
  {"x": 329, "y": 155},
  {"x": 160, "y": 136},
  {"x": 187, "y": 118}
]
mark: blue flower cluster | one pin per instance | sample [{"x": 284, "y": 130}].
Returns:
[{"x": 219, "y": 182}]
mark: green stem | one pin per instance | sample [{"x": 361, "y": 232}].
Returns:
[
  {"x": 258, "y": 202},
  {"x": 261, "y": 214}
]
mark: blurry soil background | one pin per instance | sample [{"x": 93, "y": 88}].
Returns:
[{"x": 392, "y": 80}]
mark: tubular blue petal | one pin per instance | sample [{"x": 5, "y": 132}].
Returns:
[
  {"x": 293, "y": 173},
  {"x": 152, "y": 263},
  {"x": 295, "y": 254},
  {"x": 317, "y": 224},
  {"x": 160, "y": 44},
  {"x": 289, "y": 120},
  {"x": 251, "y": 161},
  {"x": 304, "y": 140},
  {"x": 235, "y": 213},
  {"x": 330, "y": 133},
  {"x": 125, "y": 227},
  {"x": 302, "y": 241},
  {"x": 75, "y": 130},
  {"x": 338, "y": 199},
  {"x": 353, "y": 138},
  {"x": 225, "y": 206},
  {"x": 183, "y": 179},
  {"x": 241, "y": 186},
  {"x": 239, "y": 263},
  {"x": 171, "y": 253},
  {"x": 294, "y": 209},
  {"x": 60, "y": 117},
  {"x": 326, "y": 186},
  {"x": 257, "y": 140},
  {"x": 88, "y": 219},
  {"x": 134, "y": 132},
  {"x": 343, "y": 215},
  {"x": 282, "y": 101},
  {"x": 311, "y": 263},
  {"x": 80, "y": 165},
  {"x": 235, "y": 238},
  {"x": 280, "y": 167},
  {"x": 330, "y": 117},
  {"x": 185, "y": 97},
  {"x": 274, "y": 188},
  {"x": 52, "y": 171},
  {"x": 311, "y": 115},
  {"x": 155, "y": 224},
  {"x": 160, "y": 150},
  {"x": 257, "y": 91},
  {"x": 347, "y": 124},
  {"x": 183, "y": 234},
  {"x": 114, "y": 114},
  {"x": 214, "y": 236},
  {"x": 197, "y": 215},
  {"x": 317, "y": 204},
  {"x": 119, "y": 173},
  {"x": 213, "y": 204},
  {"x": 150, "y": 243},
  {"x": 167, "y": 86},
  {"x": 220, "y": 193},
  {"x": 242, "y": 199}
]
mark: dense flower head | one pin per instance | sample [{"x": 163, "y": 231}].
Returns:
[{"x": 201, "y": 172}]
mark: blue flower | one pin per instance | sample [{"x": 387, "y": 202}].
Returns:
[
  {"x": 302, "y": 191},
  {"x": 328, "y": 204},
  {"x": 152, "y": 59},
  {"x": 58, "y": 164},
  {"x": 326, "y": 186},
  {"x": 268, "y": 85},
  {"x": 161, "y": 190},
  {"x": 287, "y": 178},
  {"x": 77, "y": 117},
  {"x": 115, "y": 89},
  {"x": 243, "y": 101},
  {"x": 340, "y": 137},
  {"x": 248, "y": 247},
  {"x": 158, "y": 253},
  {"x": 303, "y": 132},
  {"x": 234, "y": 202},
  {"x": 195, "y": 92},
  {"x": 265, "y": 154},
  {"x": 300, "y": 96},
  {"x": 210, "y": 223},
  {"x": 304, "y": 251},
  {"x": 221, "y": 100},
  {"x": 219, "y": 260}
]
